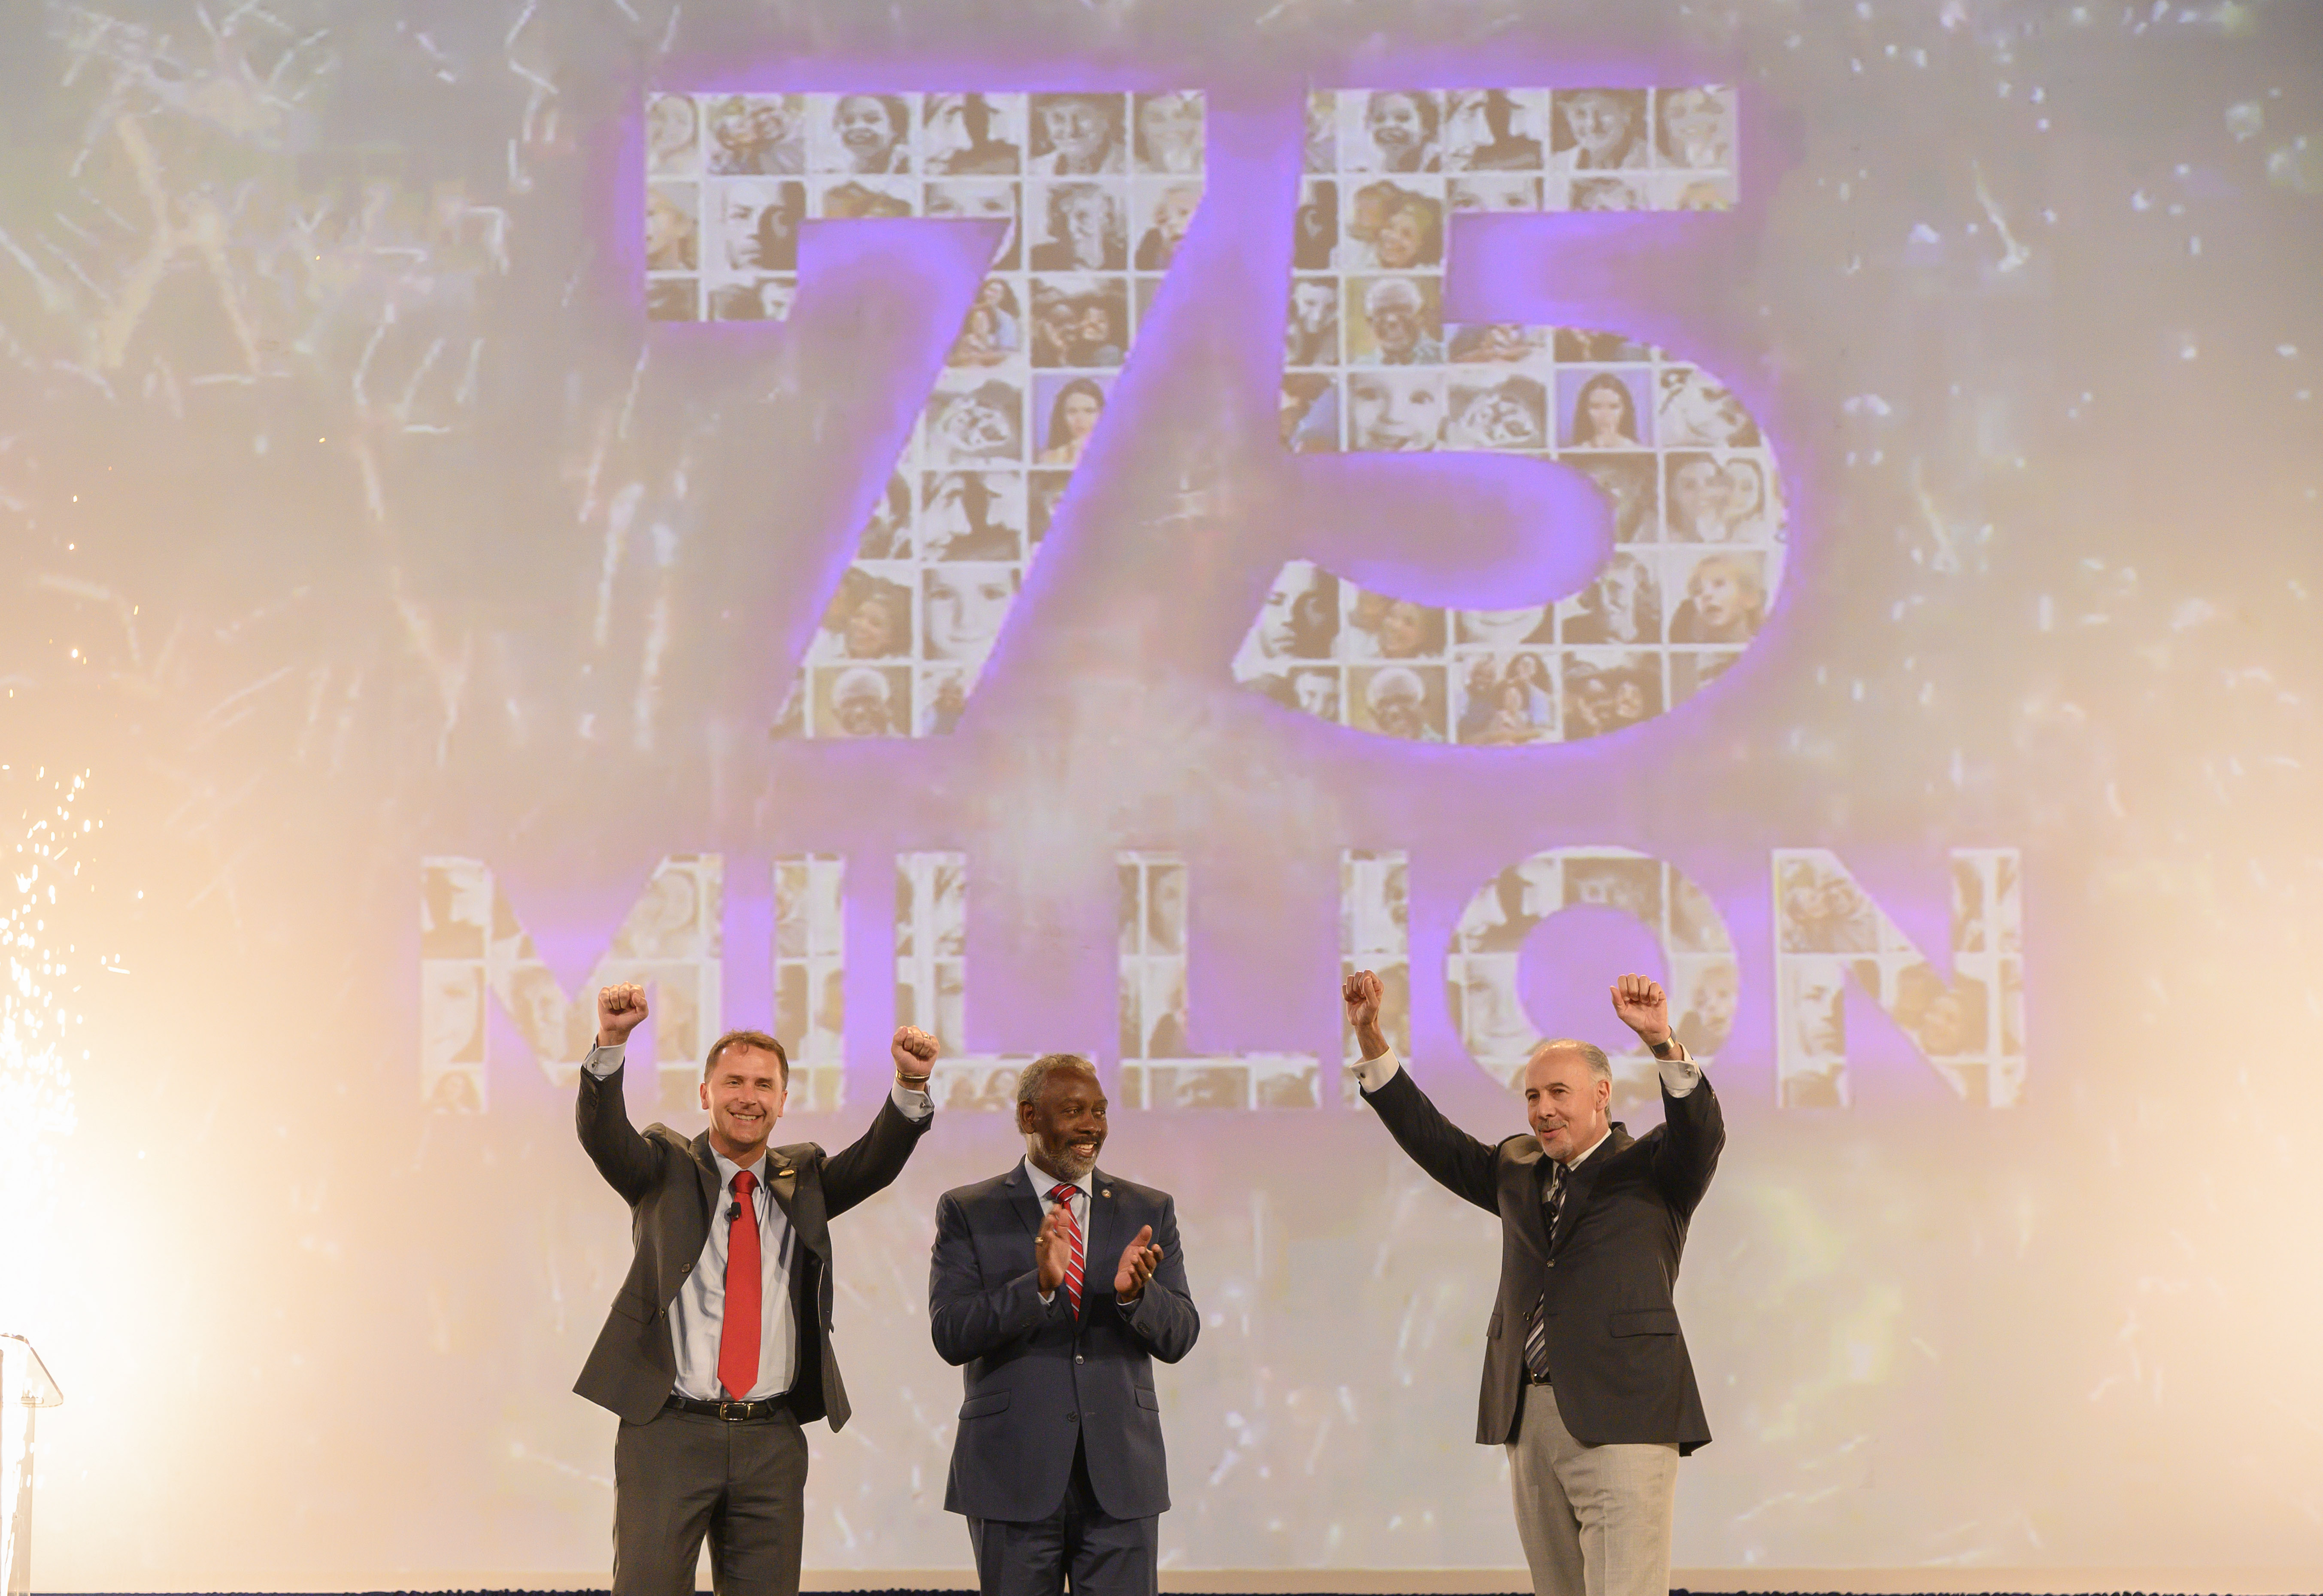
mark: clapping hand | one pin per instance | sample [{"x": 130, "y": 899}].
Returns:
[
  {"x": 1052, "y": 1249},
  {"x": 1139, "y": 1260}
]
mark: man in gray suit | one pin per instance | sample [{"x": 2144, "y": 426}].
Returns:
[
  {"x": 1587, "y": 1380},
  {"x": 1058, "y": 1284},
  {"x": 717, "y": 1347}
]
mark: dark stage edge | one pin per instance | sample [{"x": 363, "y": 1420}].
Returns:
[{"x": 1675, "y": 1590}]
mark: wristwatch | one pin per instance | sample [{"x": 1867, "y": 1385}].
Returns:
[{"x": 1667, "y": 1041}]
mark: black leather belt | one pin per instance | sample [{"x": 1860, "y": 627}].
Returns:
[{"x": 732, "y": 1412}]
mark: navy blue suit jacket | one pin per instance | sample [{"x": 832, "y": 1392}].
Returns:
[{"x": 1039, "y": 1381}]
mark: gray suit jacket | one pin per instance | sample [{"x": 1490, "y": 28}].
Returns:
[
  {"x": 1615, "y": 1351},
  {"x": 1038, "y": 1381},
  {"x": 670, "y": 1185}
]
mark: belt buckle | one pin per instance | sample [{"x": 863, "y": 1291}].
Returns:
[{"x": 741, "y": 1410}]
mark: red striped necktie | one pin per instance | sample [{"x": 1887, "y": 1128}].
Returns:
[{"x": 1064, "y": 1193}]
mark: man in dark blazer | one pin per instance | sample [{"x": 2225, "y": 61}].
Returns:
[
  {"x": 1586, "y": 1378},
  {"x": 717, "y": 1347},
  {"x": 1058, "y": 1284}
]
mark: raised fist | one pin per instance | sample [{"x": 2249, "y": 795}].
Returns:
[
  {"x": 914, "y": 1052},
  {"x": 619, "y": 1011},
  {"x": 1362, "y": 995},
  {"x": 1640, "y": 1006}
]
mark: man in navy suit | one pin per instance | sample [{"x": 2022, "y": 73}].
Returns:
[{"x": 1057, "y": 1284}]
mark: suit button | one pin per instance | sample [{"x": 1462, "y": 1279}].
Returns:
[
  {"x": 1072, "y": 1418},
  {"x": 1079, "y": 1359},
  {"x": 686, "y": 1269}
]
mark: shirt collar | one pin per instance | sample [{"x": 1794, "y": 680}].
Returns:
[
  {"x": 1043, "y": 1182},
  {"x": 728, "y": 1168}
]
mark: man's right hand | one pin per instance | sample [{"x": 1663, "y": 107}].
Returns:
[
  {"x": 1362, "y": 994},
  {"x": 1052, "y": 1249},
  {"x": 619, "y": 1011}
]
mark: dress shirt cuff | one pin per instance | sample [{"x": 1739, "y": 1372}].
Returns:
[
  {"x": 1376, "y": 1073},
  {"x": 1680, "y": 1074},
  {"x": 603, "y": 1060},
  {"x": 912, "y": 1105}
]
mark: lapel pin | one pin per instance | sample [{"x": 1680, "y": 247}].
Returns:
[{"x": 1105, "y": 1191}]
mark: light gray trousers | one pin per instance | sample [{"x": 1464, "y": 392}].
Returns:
[{"x": 1594, "y": 1520}]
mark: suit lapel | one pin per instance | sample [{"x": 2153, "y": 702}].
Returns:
[
  {"x": 1578, "y": 1183},
  {"x": 1026, "y": 1202},
  {"x": 705, "y": 1164},
  {"x": 1102, "y": 1252},
  {"x": 1532, "y": 1214}
]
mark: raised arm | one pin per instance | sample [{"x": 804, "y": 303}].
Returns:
[
  {"x": 623, "y": 1155},
  {"x": 871, "y": 1164},
  {"x": 1454, "y": 1159},
  {"x": 968, "y": 1316},
  {"x": 1694, "y": 1128},
  {"x": 1150, "y": 1289}
]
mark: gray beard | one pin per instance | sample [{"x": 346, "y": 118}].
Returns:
[{"x": 1064, "y": 1161}]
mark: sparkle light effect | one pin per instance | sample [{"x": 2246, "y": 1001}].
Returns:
[{"x": 39, "y": 1011}]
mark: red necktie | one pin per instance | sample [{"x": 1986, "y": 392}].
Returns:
[
  {"x": 738, "y": 1333},
  {"x": 1062, "y": 1192}
]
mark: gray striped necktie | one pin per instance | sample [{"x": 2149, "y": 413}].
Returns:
[{"x": 1536, "y": 1351}]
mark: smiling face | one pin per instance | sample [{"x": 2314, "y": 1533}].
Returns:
[
  {"x": 1402, "y": 238},
  {"x": 1389, "y": 415},
  {"x": 1172, "y": 126},
  {"x": 1064, "y": 1124},
  {"x": 1566, "y": 1103},
  {"x": 1697, "y": 494},
  {"x": 870, "y": 631},
  {"x": 1599, "y": 124},
  {"x": 1395, "y": 325},
  {"x": 867, "y": 131},
  {"x": 1393, "y": 122},
  {"x": 1078, "y": 131},
  {"x": 744, "y": 1089},
  {"x": 1402, "y": 630}
]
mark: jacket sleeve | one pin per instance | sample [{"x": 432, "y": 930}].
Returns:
[
  {"x": 1456, "y": 1160},
  {"x": 871, "y": 1164},
  {"x": 1164, "y": 1316},
  {"x": 1686, "y": 1155},
  {"x": 968, "y": 1318},
  {"x": 623, "y": 1155}
]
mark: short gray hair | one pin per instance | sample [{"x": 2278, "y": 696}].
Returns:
[
  {"x": 1037, "y": 1073},
  {"x": 1600, "y": 1065}
]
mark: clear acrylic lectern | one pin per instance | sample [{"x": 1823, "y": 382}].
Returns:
[{"x": 25, "y": 1386}]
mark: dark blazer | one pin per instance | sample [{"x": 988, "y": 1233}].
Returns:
[
  {"x": 671, "y": 1186},
  {"x": 1037, "y": 1381},
  {"x": 1615, "y": 1351}
]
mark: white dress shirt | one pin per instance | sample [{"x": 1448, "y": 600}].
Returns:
[
  {"x": 697, "y": 1315},
  {"x": 1044, "y": 1183}
]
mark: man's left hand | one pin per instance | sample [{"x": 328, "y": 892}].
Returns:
[
  {"x": 914, "y": 1052},
  {"x": 1139, "y": 1260},
  {"x": 1642, "y": 1007}
]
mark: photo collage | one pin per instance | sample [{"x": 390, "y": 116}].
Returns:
[
  {"x": 932, "y": 984},
  {"x": 1480, "y": 974},
  {"x": 473, "y": 949},
  {"x": 1371, "y": 366},
  {"x": 1159, "y": 1067},
  {"x": 1096, "y": 192},
  {"x": 1375, "y": 935},
  {"x": 810, "y": 976},
  {"x": 1829, "y": 932}
]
